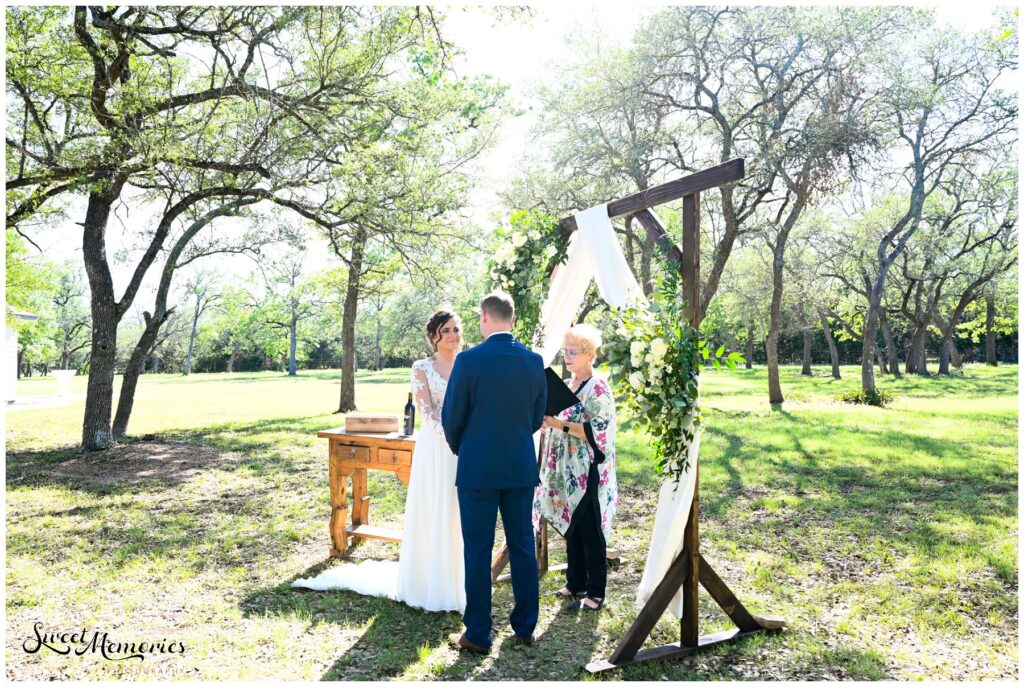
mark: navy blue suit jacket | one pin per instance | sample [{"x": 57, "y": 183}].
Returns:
[{"x": 494, "y": 403}]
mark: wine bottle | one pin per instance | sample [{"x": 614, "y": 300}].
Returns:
[{"x": 410, "y": 416}]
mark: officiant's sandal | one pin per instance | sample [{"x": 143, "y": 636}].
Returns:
[
  {"x": 566, "y": 593},
  {"x": 585, "y": 604}
]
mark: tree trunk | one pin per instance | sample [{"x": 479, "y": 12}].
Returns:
[
  {"x": 948, "y": 352},
  {"x": 376, "y": 349},
  {"x": 808, "y": 340},
  {"x": 915, "y": 352},
  {"x": 347, "y": 401},
  {"x": 771, "y": 345},
  {"x": 944, "y": 355},
  {"x": 832, "y": 350},
  {"x": 990, "y": 334},
  {"x": 954, "y": 355},
  {"x": 910, "y": 366},
  {"x": 750, "y": 346},
  {"x": 99, "y": 397},
  {"x": 867, "y": 358},
  {"x": 21, "y": 360},
  {"x": 126, "y": 399},
  {"x": 192, "y": 336},
  {"x": 233, "y": 356},
  {"x": 890, "y": 344},
  {"x": 722, "y": 250},
  {"x": 293, "y": 337}
]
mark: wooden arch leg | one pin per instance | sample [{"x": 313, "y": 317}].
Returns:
[{"x": 689, "y": 570}]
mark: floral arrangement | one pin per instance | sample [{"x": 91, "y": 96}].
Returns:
[
  {"x": 655, "y": 361},
  {"x": 531, "y": 244}
]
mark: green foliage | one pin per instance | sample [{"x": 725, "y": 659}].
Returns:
[
  {"x": 878, "y": 397},
  {"x": 655, "y": 360},
  {"x": 30, "y": 280},
  {"x": 531, "y": 245}
]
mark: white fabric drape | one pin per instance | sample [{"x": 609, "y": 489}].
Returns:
[
  {"x": 669, "y": 525},
  {"x": 594, "y": 253}
]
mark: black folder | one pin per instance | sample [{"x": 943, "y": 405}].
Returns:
[{"x": 560, "y": 396}]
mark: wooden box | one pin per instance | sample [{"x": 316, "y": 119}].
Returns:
[{"x": 371, "y": 422}]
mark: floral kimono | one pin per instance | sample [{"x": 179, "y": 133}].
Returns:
[{"x": 566, "y": 464}]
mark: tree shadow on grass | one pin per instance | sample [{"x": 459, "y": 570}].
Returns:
[
  {"x": 895, "y": 506},
  {"x": 123, "y": 468},
  {"x": 394, "y": 632}
]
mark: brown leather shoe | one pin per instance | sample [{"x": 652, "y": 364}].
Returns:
[{"x": 459, "y": 640}]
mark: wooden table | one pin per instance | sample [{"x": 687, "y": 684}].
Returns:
[{"x": 351, "y": 455}]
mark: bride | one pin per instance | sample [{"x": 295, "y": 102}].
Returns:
[{"x": 430, "y": 571}]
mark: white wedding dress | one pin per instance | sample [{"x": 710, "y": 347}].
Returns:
[{"x": 430, "y": 572}]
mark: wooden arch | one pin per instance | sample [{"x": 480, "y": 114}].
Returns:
[{"x": 689, "y": 569}]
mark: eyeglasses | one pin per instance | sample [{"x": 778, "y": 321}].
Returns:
[{"x": 573, "y": 352}]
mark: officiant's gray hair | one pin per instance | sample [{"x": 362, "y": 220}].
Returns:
[
  {"x": 499, "y": 306},
  {"x": 585, "y": 335}
]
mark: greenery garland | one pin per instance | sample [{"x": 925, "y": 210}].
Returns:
[{"x": 530, "y": 246}]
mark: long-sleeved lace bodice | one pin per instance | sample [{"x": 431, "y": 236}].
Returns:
[{"x": 428, "y": 389}]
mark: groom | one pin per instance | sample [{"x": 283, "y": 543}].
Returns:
[{"x": 494, "y": 403}]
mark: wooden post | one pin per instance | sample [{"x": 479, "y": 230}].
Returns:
[{"x": 689, "y": 624}]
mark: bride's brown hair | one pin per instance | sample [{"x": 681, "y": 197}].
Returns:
[{"x": 434, "y": 324}]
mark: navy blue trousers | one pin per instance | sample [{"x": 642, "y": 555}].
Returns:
[{"x": 479, "y": 509}]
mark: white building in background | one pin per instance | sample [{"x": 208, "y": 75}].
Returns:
[{"x": 11, "y": 353}]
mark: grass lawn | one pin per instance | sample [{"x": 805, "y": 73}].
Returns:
[{"x": 887, "y": 538}]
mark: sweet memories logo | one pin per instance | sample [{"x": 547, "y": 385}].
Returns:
[{"x": 82, "y": 642}]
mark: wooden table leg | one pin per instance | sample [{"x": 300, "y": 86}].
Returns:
[
  {"x": 360, "y": 498},
  {"x": 339, "y": 507}
]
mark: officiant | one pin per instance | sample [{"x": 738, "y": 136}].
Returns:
[{"x": 577, "y": 495}]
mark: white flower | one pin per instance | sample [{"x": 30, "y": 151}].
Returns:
[
  {"x": 636, "y": 380},
  {"x": 549, "y": 251},
  {"x": 518, "y": 240},
  {"x": 649, "y": 358},
  {"x": 534, "y": 235},
  {"x": 637, "y": 347},
  {"x": 659, "y": 348},
  {"x": 505, "y": 254}
]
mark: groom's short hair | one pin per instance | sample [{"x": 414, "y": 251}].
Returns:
[{"x": 499, "y": 306}]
